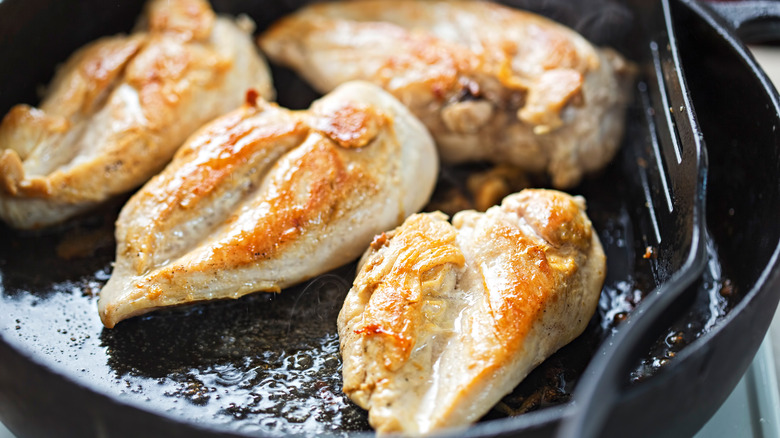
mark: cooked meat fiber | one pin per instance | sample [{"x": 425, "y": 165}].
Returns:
[
  {"x": 490, "y": 82},
  {"x": 119, "y": 108},
  {"x": 444, "y": 319},
  {"x": 264, "y": 198}
]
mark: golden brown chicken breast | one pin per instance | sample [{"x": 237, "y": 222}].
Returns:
[
  {"x": 119, "y": 108},
  {"x": 444, "y": 319},
  {"x": 263, "y": 198},
  {"x": 490, "y": 82}
]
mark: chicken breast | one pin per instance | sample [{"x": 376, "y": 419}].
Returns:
[
  {"x": 264, "y": 198},
  {"x": 444, "y": 319},
  {"x": 119, "y": 108},
  {"x": 490, "y": 83}
]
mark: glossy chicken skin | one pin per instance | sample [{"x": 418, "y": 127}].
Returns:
[
  {"x": 263, "y": 198},
  {"x": 490, "y": 82},
  {"x": 444, "y": 319},
  {"x": 119, "y": 108}
]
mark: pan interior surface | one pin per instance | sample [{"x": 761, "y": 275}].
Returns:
[{"x": 265, "y": 363}]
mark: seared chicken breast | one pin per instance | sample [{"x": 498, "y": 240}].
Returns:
[
  {"x": 264, "y": 198},
  {"x": 491, "y": 83},
  {"x": 119, "y": 108},
  {"x": 444, "y": 319}
]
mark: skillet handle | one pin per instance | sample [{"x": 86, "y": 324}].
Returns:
[{"x": 754, "y": 21}]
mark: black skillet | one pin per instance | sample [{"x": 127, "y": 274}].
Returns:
[{"x": 268, "y": 364}]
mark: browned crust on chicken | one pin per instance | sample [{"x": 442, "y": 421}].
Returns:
[
  {"x": 490, "y": 82},
  {"x": 445, "y": 319},
  {"x": 263, "y": 198},
  {"x": 119, "y": 108}
]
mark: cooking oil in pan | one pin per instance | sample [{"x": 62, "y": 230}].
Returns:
[{"x": 269, "y": 363}]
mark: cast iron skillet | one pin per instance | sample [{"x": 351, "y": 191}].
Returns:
[{"x": 269, "y": 365}]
